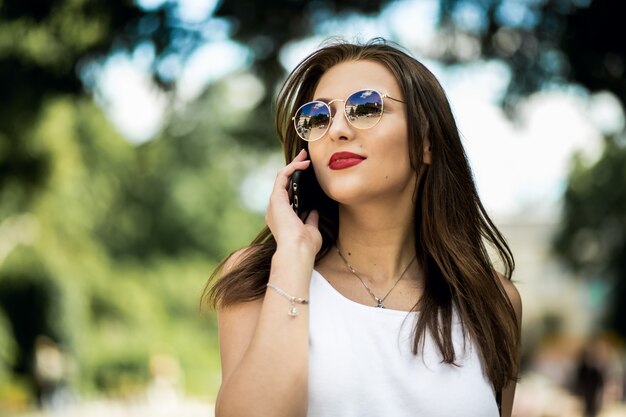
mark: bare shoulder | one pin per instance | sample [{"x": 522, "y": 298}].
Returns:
[
  {"x": 236, "y": 323},
  {"x": 513, "y": 294}
]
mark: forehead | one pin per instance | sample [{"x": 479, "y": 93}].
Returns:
[{"x": 348, "y": 77}]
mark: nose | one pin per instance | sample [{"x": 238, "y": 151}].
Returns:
[{"x": 339, "y": 128}]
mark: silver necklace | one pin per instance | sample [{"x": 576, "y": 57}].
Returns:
[{"x": 379, "y": 301}]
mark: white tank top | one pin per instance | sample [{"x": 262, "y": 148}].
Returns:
[{"x": 361, "y": 364}]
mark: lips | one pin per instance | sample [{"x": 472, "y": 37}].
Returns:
[{"x": 342, "y": 160}]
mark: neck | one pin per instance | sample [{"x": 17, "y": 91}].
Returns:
[{"x": 378, "y": 241}]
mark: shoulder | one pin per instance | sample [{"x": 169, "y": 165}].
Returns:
[
  {"x": 231, "y": 264},
  {"x": 237, "y": 322},
  {"x": 513, "y": 294},
  {"x": 241, "y": 311}
]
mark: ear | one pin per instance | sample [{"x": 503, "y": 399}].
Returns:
[{"x": 427, "y": 153}]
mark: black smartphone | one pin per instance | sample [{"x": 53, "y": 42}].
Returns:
[{"x": 301, "y": 186}]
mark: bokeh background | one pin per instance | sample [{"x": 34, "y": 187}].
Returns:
[{"x": 137, "y": 149}]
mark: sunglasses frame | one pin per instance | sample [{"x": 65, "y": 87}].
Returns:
[{"x": 330, "y": 111}]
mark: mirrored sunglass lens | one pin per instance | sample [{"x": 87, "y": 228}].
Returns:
[
  {"x": 364, "y": 108},
  {"x": 312, "y": 120}
]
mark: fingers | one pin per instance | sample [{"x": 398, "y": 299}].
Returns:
[
  {"x": 299, "y": 163},
  {"x": 301, "y": 155}
]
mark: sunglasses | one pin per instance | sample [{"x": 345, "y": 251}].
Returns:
[{"x": 363, "y": 110}]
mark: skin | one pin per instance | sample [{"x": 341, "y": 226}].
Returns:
[
  {"x": 258, "y": 340},
  {"x": 375, "y": 196}
]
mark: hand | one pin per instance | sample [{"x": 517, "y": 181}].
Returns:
[{"x": 286, "y": 226}]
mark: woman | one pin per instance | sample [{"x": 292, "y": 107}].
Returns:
[{"x": 384, "y": 301}]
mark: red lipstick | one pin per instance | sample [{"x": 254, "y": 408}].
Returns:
[{"x": 342, "y": 160}]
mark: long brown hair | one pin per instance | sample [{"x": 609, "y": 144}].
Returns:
[{"x": 452, "y": 228}]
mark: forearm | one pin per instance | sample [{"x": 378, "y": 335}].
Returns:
[{"x": 271, "y": 379}]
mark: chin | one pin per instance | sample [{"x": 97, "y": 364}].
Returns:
[{"x": 348, "y": 194}]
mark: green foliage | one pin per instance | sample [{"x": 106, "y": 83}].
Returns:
[
  {"x": 542, "y": 42},
  {"x": 592, "y": 238},
  {"x": 110, "y": 255},
  {"x": 8, "y": 348},
  {"x": 43, "y": 48}
]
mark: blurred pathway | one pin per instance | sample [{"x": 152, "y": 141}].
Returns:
[
  {"x": 182, "y": 407},
  {"x": 539, "y": 396}
]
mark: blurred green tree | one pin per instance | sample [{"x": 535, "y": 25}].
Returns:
[
  {"x": 93, "y": 229},
  {"x": 41, "y": 45},
  {"x": 544, "y": 43},
  {"x": 101, "y": 241},
  {"x": 592, "y": 237}
]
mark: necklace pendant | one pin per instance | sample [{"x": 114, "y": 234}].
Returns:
[{"x": 379, "y": 301}]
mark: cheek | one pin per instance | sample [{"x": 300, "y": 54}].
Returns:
[
  {"x": 316, "y": 155},
  {"x": 395, "y": 151},
  {"x": 395, "y": 166},
  {"x": 319, "y": 159}
]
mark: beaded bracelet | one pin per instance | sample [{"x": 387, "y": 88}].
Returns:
[{"x": 293, "y": 311}]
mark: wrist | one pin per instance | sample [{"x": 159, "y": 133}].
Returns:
[
  {"x": 294, "y": 252},
  {"x": 293, "y": 261}
]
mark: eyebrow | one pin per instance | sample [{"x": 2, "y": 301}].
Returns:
[{"x": 324, "y": 99}]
